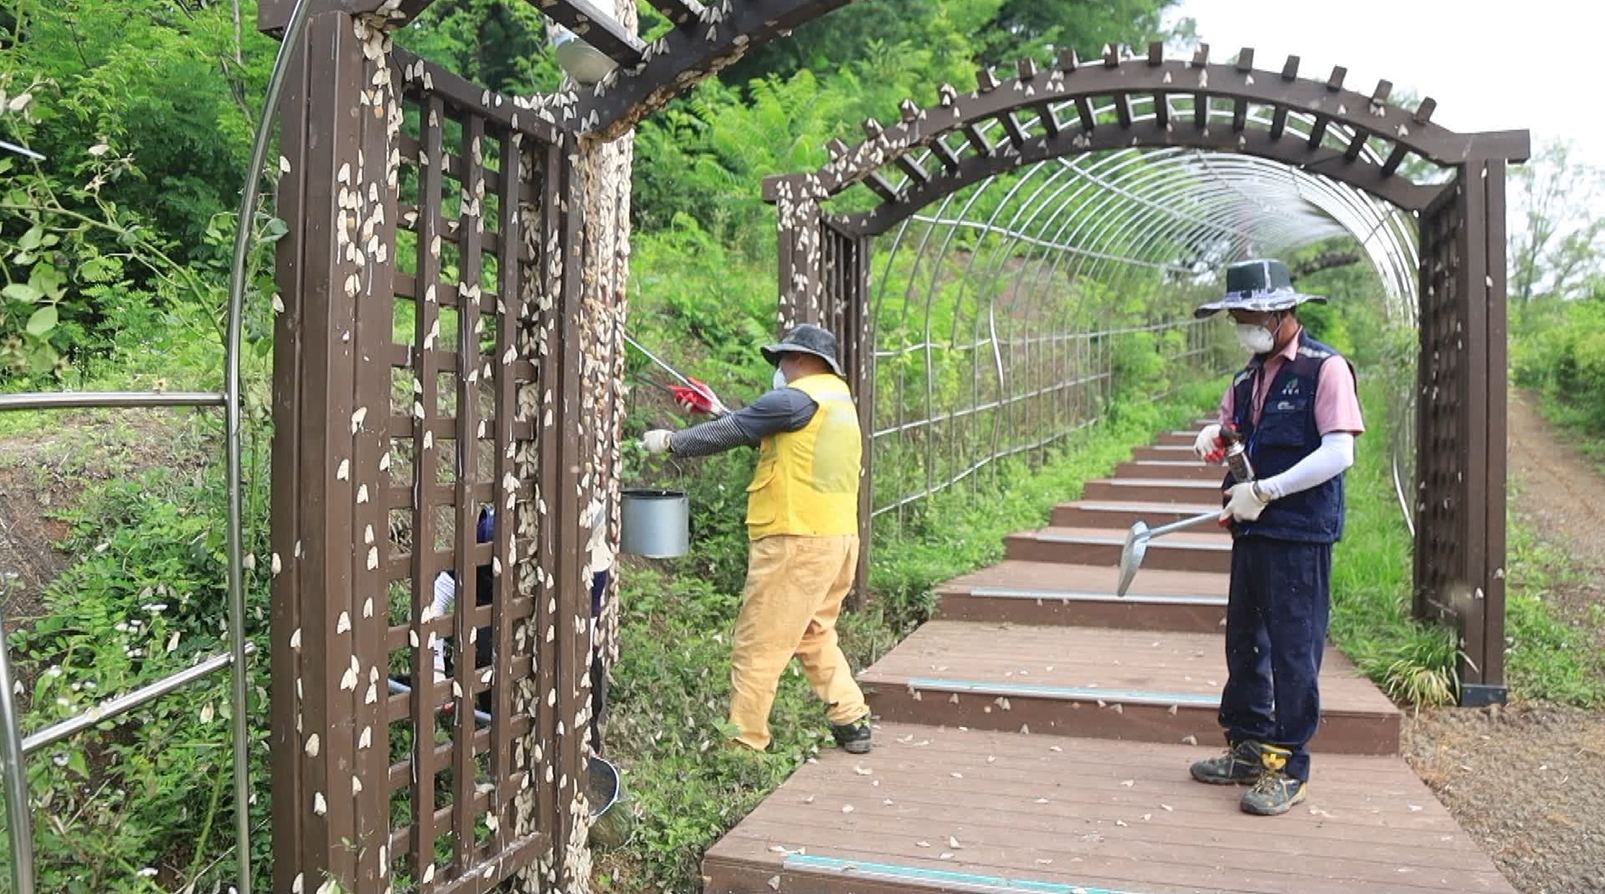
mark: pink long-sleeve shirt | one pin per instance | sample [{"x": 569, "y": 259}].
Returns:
[{"x": 1337, "y": 404}]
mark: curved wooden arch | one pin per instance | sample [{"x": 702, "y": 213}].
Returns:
[
  {"x": 706, "y": 38},
  {"x": 1370, "y": 119},
  {"x": 1117, "y": 103}
]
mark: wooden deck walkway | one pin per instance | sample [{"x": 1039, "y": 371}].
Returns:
[{"x": 1035, "y": 736}]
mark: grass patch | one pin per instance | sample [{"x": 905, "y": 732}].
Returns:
[
  {"x": 671, "y": 684},
  {"x": 1372, "y": 571},
  {"x": 1579, "y": 419},
  {"x": 1546, "y": 660}
]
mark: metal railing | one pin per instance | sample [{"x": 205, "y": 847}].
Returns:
[
  {"x": 14, "y": 747},
  {"x": 1032, "y": 401}
]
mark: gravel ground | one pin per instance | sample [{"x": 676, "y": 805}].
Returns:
[{"x": 1528, "y": 783}]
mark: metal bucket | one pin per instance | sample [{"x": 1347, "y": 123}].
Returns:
[
  {"x": 611, "y": 819},
  {"x": 655, "y": 523},
  {"x": 603, "y": 787}
]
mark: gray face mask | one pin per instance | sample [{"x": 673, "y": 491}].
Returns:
[{"x": 780, "y": 378}]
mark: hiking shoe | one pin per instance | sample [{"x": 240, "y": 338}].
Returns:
[
  {"x": 1240, "y": 765},
  {"x": 853, "y": 737},
  {"x": 1275, "y": 792}
]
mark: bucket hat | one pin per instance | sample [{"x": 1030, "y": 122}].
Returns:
[
  {"x": 806, "y": 339},
  {"x": 1259, "y": 285}
]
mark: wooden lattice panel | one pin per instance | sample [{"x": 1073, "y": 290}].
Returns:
[
  {"x": 1441, "y": 480},
  {"x": 421, "y": 380}
]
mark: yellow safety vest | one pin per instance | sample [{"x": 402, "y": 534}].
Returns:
[{"x": 807, "y": 480}]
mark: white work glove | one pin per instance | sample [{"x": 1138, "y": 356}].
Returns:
[
  {"x": 656, "y": 441},
  {"x": 1208, "y": 446},
  {"x": 1245, "y": 503}
]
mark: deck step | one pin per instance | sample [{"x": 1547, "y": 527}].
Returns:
[
  {"x": 1152, "y": 490},
  {"x": 1196, "y": 549},
  {"x": 948, "y": 810},
  {"x": 1049, "y": 593},
  {"x": 1177, "y": 438},
  {"x": 1188, "y": 469},
  {"x": 1089, "y": 682},
  {"x": 1174, "y": 451},
  {"x": 1102, "y": 514}
]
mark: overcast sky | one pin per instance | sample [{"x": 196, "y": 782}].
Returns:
[{"x": 1521, "y": 68}]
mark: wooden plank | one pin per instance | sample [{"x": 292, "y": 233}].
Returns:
[
  {"x": 510, "y": 282},
  {"x": 327, "y": 495},
  {"x": 370, "y": 614},
  {"x": 286, "y": 661},
  {"x": 1113, "y": 660},
  {"x": 1091, "y": 815},
  {"x": 541, "y": 629},
  {"x": 425, "y": 695},
  {"x": 1474, "y": 448},
  {"x": 1181, "y": 551},
  {"x": 567, "y": 503},
  {"x": 467, "y": 473},
  {"x": 1052, "y": 576},
  {"x": 1492, "y": 572}
]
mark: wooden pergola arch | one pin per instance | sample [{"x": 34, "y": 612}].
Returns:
[
  {"x": 424, "y": 391},
  {"x": 1120, "y": 102}
]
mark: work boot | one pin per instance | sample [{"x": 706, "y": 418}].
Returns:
[
  {"x": 1275, "y": 792},
  {"x": 1240, "y": 765},
  {"x": 853, "y": 737}
]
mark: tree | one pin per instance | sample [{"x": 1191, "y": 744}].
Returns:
[{"x": 1556, "y": 238}]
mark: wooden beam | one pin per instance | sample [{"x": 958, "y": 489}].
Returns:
[
  {"x": 1278, "y": 122},
  {"x": 881, "y": 186},
  {"x": 1050, "y": 122},
  {"x": 948, "y": 158},
  {"x": 1012, "y": 127},
  {"x": 1318, "y": 131},
  {"x": 683, "y": 13},
  {"x": 977, "y": 139},
  {"x": 1356, "y": 146},
  {"x": 596, "y": 27},
  {"x": 912, "y": 168}
]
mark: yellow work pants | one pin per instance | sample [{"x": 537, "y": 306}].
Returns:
[{"x": 795, "y": 588}]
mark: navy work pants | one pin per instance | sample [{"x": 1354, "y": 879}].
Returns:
[{"x": 1276, "y": 621}]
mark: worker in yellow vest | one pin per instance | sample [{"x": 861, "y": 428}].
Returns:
[{"x": 802, "y": 520}]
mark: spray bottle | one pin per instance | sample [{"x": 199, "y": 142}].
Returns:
[{"x": 1237, "y": 454}]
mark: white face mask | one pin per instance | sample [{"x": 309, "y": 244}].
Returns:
[
  {"x": 1255, "y": 339},
  {"x": 780, "y": 378}
]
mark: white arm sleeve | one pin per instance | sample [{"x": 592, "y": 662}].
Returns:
[
  {"x": 445, "y": 595},
  {"x": 1335, "y": 454}
]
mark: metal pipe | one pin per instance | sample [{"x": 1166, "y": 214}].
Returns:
[
  {"x": 719, "y": 409},
  {"x": 18, "y": 810},
  {"x": 128, "y": 701},
  {"x": 69, "y": 400},
  {"x": 23, "y": 151},
  {"x": 238, "y": 647}
]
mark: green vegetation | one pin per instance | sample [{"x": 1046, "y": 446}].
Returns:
[
  {"x": 1547, "y": 660},
  {"x": 112, "y": 266},
  {"x": 672, "y": 679},
  {"x": 1371, "y": 581},
  {"x": 1557, "y": 290},
  {"x": 112, "y": 274}
]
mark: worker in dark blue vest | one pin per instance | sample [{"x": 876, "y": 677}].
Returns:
[{"x": 1296, "y": 406}]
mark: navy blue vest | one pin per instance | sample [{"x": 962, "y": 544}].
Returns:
[{"x": 1287, "y": 433}]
